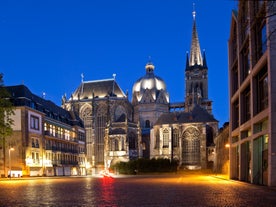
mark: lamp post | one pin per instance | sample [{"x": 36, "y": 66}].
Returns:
[{"x": 10, "y": 149}]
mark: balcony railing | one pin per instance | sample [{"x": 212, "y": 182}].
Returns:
[
  {"x": 59, "y": 136},
  {"x": 64, "y": 162},
  {"x": 60, "y": 149}
]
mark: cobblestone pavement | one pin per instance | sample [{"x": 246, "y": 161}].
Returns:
[{"x": 140, "y": 190}]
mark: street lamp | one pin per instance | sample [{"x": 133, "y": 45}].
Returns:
[{"x": 10, "y": 149}]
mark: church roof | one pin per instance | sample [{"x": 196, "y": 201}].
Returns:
[
  {"x": 197, "y": 115},
  {"x": 98, "y": 89},
  {"x": 149, "y": 87}
]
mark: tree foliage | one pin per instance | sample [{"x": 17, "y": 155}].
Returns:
[
  {"x": 6, "y": 112},
  {"x": 145, "y": 166}
]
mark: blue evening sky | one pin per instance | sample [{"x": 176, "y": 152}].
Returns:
[{"x": 48, "y": 44}]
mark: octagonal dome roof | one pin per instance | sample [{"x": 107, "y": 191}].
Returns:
[{"x": 149, "y": 82}]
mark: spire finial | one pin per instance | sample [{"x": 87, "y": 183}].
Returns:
[
  {"x": 149, "y": 66},
  {"x": 82, "y": 76},
  {"x": 195, "y": 54},
  {"x": 194, "y": 12},
  {"x": 150, "y": 59},
  {"x": 114, "y": 76}
]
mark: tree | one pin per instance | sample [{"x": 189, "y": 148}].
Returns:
[
  {"x": 6, "y": 111},
  {"x": 6, "y": 121}
]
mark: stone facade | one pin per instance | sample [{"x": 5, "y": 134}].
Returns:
[
  {"x": 117, "y": 130},
  {"x": 187, "y": 135},
  {"x": 108, "y": 120},
  {"x": 46, "y": 140}
]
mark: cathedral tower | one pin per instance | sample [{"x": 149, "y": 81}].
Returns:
[
  {"x": 150, "y": 98},
  {"x": 196, "y": 75}
]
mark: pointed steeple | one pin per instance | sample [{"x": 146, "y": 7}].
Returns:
[{"x": 195, "y": 54}]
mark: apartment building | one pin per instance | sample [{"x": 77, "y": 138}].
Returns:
[{"x": 46, "y": 141}]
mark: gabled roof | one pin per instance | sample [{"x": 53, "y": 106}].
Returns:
[
  {"x": 197, "y": 115},
  {"x": 98, "y": 89}
]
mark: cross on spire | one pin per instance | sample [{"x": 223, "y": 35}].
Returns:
[{"x": 194, "y": 12}]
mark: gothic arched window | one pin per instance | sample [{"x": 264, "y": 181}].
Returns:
[
  {"x": 165, "y": 138},
  {"x": 191, "y": 147},
  {"x": 120, "y": 113},
  {"x": 114, "y": 144},
  {"x": 157, "y": 140},
  {"x": 175, "y": 137},
  {"x": 131, "y": 141}
]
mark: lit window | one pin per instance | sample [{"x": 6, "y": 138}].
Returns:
[
  {"x": 165, "y": 138},
  {"x": 191, "y": 147},
  {"x": 157, "y": 140},
  {"x": 175, "y": 138}
]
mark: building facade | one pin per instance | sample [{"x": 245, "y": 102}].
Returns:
[
  {"x": 186, "y": 135},
  {"x": 117, "y": 130},
  {"x": 221, "y": 141},
  {"x": 111, "y": 133},
  {"x": 46, "y": 141},
  {"x": 252, "y": 75},
  {"x": 150, "y": 100}
]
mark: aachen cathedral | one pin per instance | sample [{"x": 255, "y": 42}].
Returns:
[{"x": 148, "y": 126}]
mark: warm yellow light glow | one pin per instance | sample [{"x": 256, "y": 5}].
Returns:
[
  {"x": 48, "y": 163},
  {"x": 227, "y": 145},
  {"x": 29, "y": 161},
  {"x": 88, "y": 165}
]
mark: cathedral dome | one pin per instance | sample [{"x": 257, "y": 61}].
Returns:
[{"x": 149, "y": 84}]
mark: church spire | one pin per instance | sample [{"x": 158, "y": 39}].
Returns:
[{"x": 195, "y": 54}]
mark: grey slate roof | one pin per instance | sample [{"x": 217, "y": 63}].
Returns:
[
  {"x": 100, "y": 88},
  {"x": 22, "y": 96},
  {"x": 198, "y": 114}
]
